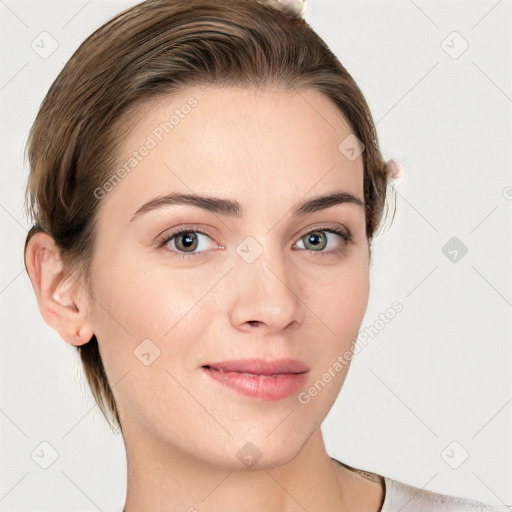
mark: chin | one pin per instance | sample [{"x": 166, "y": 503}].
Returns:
[{"x": 268, "y": 451}]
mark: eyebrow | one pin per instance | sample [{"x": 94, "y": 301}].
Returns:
[{"x": 233, "y": 208}]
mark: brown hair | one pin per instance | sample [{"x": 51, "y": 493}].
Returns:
[{"x": 154, "y": 49}]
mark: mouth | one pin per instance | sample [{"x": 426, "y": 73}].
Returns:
[
  {"x": 260, "y": 366},
  {"x": 257, "y": 378}
]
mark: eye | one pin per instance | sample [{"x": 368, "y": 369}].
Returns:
[
  {"x": 317, "y": 239},
  {"x": 191, "y": 242},
  {"x": 185, "y": 242}
]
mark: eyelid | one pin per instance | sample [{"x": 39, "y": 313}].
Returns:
[
  {"x": 334, "y": 226},
  {"x": 181, "y": 227}
]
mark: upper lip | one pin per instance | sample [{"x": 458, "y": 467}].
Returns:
[{"x": 260, "y": 366}]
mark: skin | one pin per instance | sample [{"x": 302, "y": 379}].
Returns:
[{"x": 267, "y": 149}]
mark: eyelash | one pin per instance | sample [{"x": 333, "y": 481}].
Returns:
[{"x": 342, "y": 232}]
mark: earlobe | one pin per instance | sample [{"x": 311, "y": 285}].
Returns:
[{"x": 63, "y": 304}]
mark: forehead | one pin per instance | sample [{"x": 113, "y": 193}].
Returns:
[{"x": 226, "y": 140}]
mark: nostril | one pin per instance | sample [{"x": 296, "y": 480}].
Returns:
[{"x": 254, "y": 322}]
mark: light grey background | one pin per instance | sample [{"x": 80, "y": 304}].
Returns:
[{"x": 426, "y": 389}]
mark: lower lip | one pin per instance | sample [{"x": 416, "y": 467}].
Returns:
[{"x": 265, "y": 387}]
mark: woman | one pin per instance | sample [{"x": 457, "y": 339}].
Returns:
[{"x": 205, "y": 185}]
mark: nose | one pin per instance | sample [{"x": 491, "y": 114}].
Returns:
[{"x": 266, "y": 296}]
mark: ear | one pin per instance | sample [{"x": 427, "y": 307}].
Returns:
[{"x": 63, "y": 302}]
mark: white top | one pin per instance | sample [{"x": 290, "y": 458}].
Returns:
[{"x": 402, "y": 497}]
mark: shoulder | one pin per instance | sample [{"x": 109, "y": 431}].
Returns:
[
  {"x": 395, "y": 496},
  {"x": 407, "y": 498}
]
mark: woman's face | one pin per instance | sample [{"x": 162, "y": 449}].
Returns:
[{"x": 259, "y": 281}]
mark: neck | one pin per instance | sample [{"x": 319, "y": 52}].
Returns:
[{"x": 170, "y": 480}]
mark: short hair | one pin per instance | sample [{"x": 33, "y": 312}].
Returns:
[{"x": 152, "y": 50}]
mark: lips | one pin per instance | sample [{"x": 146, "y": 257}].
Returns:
[
  {"x": 260, "y": 366},
  {"x": 260, "y": 379}
]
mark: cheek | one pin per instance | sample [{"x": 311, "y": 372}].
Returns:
[
  {"x": 351, "y": 301},
  {"x": 133, "y": 303},
  {"x": 341, "y": 304},
  {"x": 139, "y": 311},
  {"x": 339, "y": 299}
]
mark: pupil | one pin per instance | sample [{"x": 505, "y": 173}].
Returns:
[
  {"x": 314, "y": 239},
  {"x": 187, "y": 240}
]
